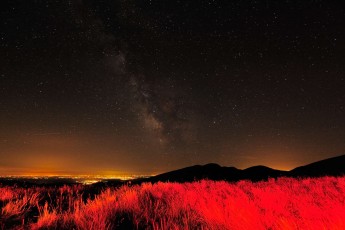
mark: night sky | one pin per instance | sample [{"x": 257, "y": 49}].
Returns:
[{"x": 120, "y": 87}]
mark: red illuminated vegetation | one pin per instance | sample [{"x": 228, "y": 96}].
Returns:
[{"x": 284, "y": 203}]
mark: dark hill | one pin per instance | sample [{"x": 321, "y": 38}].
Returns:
[
  {"x": 329, "y": 167},
  {"x": 257, "y": 173},
  {"x": 332, "y": 167},
  {"x": 216, "y": 172},
  {"x": 197, "y": 172}
]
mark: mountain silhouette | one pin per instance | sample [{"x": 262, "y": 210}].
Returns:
[
  {"x": 197, "y": 172},
  {"x": 216, "y": 172},
  {"x": 257, "y": 173},
  {"x": 329, "y": 167},
  {"x": 334, "y": 166}
]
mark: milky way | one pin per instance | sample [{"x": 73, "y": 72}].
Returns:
[{"x": 148, "y": 86}]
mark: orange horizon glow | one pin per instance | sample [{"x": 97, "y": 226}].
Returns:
[
  {"x": 75, "y": 176},
  {"x": 100, "y": 175},
  {"x": 116, "y": 157}
]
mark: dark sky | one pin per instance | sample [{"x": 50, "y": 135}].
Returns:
[{"x": 119, "y": 87}]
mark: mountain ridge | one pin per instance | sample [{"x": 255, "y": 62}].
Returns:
[{"x": 334, "y": 166}]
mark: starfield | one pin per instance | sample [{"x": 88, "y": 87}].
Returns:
[{"x": 283, "y": 203}]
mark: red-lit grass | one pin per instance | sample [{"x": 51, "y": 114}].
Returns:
[{"x": 284, "y": 203}]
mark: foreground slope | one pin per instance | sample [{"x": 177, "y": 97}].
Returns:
[{"x": 285, "y": 203}]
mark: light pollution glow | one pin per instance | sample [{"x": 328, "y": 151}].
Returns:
[{"x": 56, "y": 155}]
